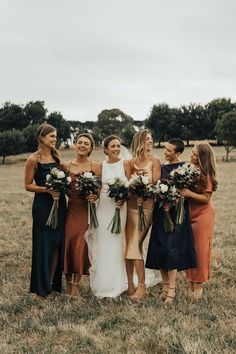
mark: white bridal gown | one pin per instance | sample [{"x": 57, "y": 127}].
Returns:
[{"x": 106, "y": 250}]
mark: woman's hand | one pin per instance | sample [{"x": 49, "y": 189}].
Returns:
[
  {"x": 119, "y": 203},
  {"x": 186, "y": 193},
  {"x": 92, "y": 198},
  {"x": 55, "y": 195},
  {"x": 140, "y": 201}
]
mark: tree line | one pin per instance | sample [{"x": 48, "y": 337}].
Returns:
[{"x": 214, "y": 121}]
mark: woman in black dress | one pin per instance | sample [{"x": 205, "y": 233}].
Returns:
[
  {"x": 47, "y": 243},
  {"x": 171, "y": 251}
]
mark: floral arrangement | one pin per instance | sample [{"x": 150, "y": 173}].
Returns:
[
  {"x": 140, "y": 188},
  {"x": 118, "y": 190},
  {"x": 167, "y": 196},
  {"x": 88, "y": 183},
  {"x": 58, "y": 181},
  {"x": 184, "y": 176}
]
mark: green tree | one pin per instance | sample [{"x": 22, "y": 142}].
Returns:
[
  {"x": 193, "y": 122},
  {"x": 214, "y": 110},
  {"x": 159, "y": 122},
  {"x": 11, "y": 143},
  {"x": 114, "y": 121},
  {"x": 226, "y": 131},
  {"x": 12, "y": 117},
  {"x": 63, "y": 127},
  {"x": 31, "y": 142},
  {"x": 35, "y": 112}
]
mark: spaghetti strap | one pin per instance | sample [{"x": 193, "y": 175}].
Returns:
[
  {"x": 91, "y": 165},
  {"x": 68, "y": 171}
]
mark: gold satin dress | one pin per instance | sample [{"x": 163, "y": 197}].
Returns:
[{"x": 134, "y": 238}]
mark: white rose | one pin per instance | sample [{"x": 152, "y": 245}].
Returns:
[
  {"x": 164, "y": 188},
  {"x": 48, "y": 177},
  {"x": 88, "y": 174},
  {"x": 126, "y": 184},
  {"x": 60, "y": 174},
  {"x": 172, "y": 173},
  {"x": 68, "y": 179},
  {"x": 111, "y": 181},
  {"x": 145, "y": 179},
  {"x": 181, "y": 172}
]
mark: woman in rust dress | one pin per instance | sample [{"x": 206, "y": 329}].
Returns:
[
  {"x": 202, "y": 214},
  {"x": 142, "y": 163},
  {"x": 76, "y": 261}
]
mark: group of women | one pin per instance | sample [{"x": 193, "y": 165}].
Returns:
[{"x": 114, "y": 262}]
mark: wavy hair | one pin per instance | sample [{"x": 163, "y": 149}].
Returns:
[
  {"x": 207, "y": 163},
  {"x": 138, "y": 143}
]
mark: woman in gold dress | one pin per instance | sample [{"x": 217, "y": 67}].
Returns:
[{"x": 146, "y": 164}]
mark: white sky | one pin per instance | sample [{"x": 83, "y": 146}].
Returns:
[{"x": 83, "y": 56}]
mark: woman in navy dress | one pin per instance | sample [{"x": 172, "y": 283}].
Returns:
[
  {"x": 47, "y": 243},
  {"x": 171, "y": 251}
]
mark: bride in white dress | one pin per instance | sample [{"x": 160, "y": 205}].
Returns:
[{"x": 106, "y": 250}]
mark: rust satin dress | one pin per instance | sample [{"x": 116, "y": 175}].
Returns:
[
  {"x": 202, "y": 221},
  {"x": 134, "y": 238},
  {"x": 76, "y": 250}
]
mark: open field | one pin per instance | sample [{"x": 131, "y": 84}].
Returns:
[{"x": 60, "y": 325}]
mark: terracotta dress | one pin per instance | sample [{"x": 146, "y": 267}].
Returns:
[
  {"x": 202, "y": 220},
  {"x": 76, "y": 258},
  {"x": 135, "y": 238}
]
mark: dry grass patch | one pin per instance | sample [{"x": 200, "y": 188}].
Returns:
[{"x": 60, "y": 325}]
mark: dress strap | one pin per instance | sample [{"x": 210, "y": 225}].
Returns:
[
  {"x": 91, "y": 163},
  {"x": 69, "y": 166}
]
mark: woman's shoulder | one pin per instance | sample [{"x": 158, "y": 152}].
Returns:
[
  {"x": 34, "y": 157},
  {"x": 97, "y": 167}
]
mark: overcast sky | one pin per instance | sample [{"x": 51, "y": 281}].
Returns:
[{"x": 83, "y": 56}]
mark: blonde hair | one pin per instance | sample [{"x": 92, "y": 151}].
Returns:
[
  {"x": 43, "y": 130},
  {"x": 88, "y": 136},
  {"x": 207, "y": 163},
  {"x": 138, "y": 143}
]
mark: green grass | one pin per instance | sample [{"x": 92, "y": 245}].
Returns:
[{"x": 61, "y": 325}]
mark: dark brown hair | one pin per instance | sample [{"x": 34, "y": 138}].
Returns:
[
  {"x": 107, "y": 140},
  {"x": 43, "y": 130}
]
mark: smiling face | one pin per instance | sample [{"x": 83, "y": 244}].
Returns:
[
  {"x": 148, "y": 143},
  {"x": 194, "y": 156},
  {"x": 83, "y": 146},
  {"x": 49, "y": 140},
  {"x": 170, "y": 153},
  {"x": 113, "y": 149}
]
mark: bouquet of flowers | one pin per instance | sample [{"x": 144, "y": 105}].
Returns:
[
  {"x": 167, "y": 195},
  {"x": 184, "y": 176},
  {"x": 140, "y": 188},
  {"x": 117, "y": 189},
  {"x": 58, "y": 181},
  {"x": 88, "y": 183}
]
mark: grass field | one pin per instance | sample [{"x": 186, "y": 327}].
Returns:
[{"x": 60, "y": 325}]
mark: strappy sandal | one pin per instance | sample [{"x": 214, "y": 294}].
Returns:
[
  {"x": 136, "y": 297},
  {"x": 198, "y": 291},
  {"x": 74, "y": 294},
  {"x": 164, "y": 291},
  {"x": 170, "y": 298},
  {"x": 68, "y": 287},
  {"x": 131, "y": 289}
]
